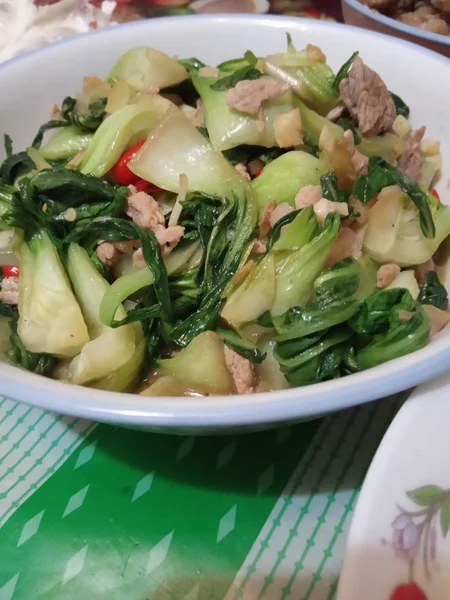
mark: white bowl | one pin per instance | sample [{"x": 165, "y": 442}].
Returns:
[
  {"x": 356, "y": 13},
  {"x": 30, "y": 84}
]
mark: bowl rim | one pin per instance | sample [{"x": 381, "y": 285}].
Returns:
[
  {"x": 393, "y": 24},
  {"x": 238, "y": 410}
]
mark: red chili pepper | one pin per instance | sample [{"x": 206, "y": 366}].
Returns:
[
  {"x": 120, "y": 170},
  {"x": 259, "y": 171},
  {"x": 436, "y": 194},
  {"x": 146, "y": 186},
  {"x": 313, "y": 12},
  {"x": 10, "y": 271},
  {"x": 408, "y": 591}
]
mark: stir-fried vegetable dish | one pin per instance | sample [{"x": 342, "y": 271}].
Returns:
[{"x": 180, "y": 229}]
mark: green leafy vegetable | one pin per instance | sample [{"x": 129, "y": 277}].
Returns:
[
  {"x": 116, "y": 230},
  {"x": 39, "y": 363},
  {"x": 245, "y": 154},
  {"x": 401, "y": 107},
  {"x": 343, "y": 71},
  {"x": 290, "y": 44},
  {"x": 191, "y": 64},
  {"x": 8, "y": 145},
  {"x": 230, "y": 81},
  {"x": 52, "y": 124},
  {"x": 284, "y": 277},
  {"x": 144, "y": 67},
  {"x": 50, "y": 320},
  {"x": 380, "y": 175},
  {"x": 15, "y": 166},
  {"x": 313, "y": 83},
  {"x": 116, "y": 132},
  {"x": 201, "y": 366},
  {"x": 397, "y": 323},
  {"x": 315, "y": 358},
  {"x": 246, "y": 72},
  {"x": 389, "y": 146},
  {"x": 406, "y": 280},
  {"x": 43, "y": 201},
  {"x": 90, "y": 121},
  {"x": 297, "y": 272},
  {"x": 336, "y": 301},
  {"x": 283, "y": 178},
  {"x": 66, "y": 143},
  {"x": 228, "y": 128},
  {"x": 275, "y": 231},
  {"x": 330, "y": 189},
  {"x": 433, "y": 292},
  {"x": 394, "y": 233},
  {"x": 241, "y": 345},
  {"x": 108, "y": 349}
]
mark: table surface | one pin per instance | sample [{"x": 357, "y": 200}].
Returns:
[{"x": 99, "y": 512}]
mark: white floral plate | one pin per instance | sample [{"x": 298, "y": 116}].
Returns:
[{"x": 399, "y": 542}]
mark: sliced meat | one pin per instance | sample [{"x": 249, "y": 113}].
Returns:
[
  {"x": 342, "y": 247},
  {"x": 325, "y": 207},
  {"x": 144, "y": 210},
  {"x": 411, "y": 161},
  {"x": 367, "y": 99},
  {"x": 9, "y": 290},
  {"x": 264, "y": 221},
  {"x": 386, "y": 274},
  {"x": 359, "y": 161},
  {"x": 279, "y": 212},
  {"x": 439, "y": 318},
  {"x": 259, "y": 247},
  {"x": 195, "y": 115},
  {"x": 272, "y": 213},
  {"x": 108, "y": 253},
  {"x": 441, "y": 5},
  {"x": 248, "y": 96},
  {"x": 242, "y": 372},
  {"x": 169, "y": 238},
  {"x": 308, "y": 196},
  {"x": 348, "y": 244},
  {"x": 242, "y": 169},
  {"x": 426, "y": 18},
  {"x": 336, "y": 113}
]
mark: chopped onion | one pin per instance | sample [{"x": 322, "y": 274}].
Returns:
[
  {"x": 288, "y": 129},
  {"x": 401, "y": 126}
]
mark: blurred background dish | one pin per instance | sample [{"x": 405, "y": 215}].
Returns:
[
  {"x": 399, "y": 543},
  {"x": 360, "y": 15}
]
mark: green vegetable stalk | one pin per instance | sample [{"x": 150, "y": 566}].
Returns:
[{"x": 50, "y": 319}]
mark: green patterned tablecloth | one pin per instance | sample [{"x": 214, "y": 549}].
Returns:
[{"x": 98, "y": 512}]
